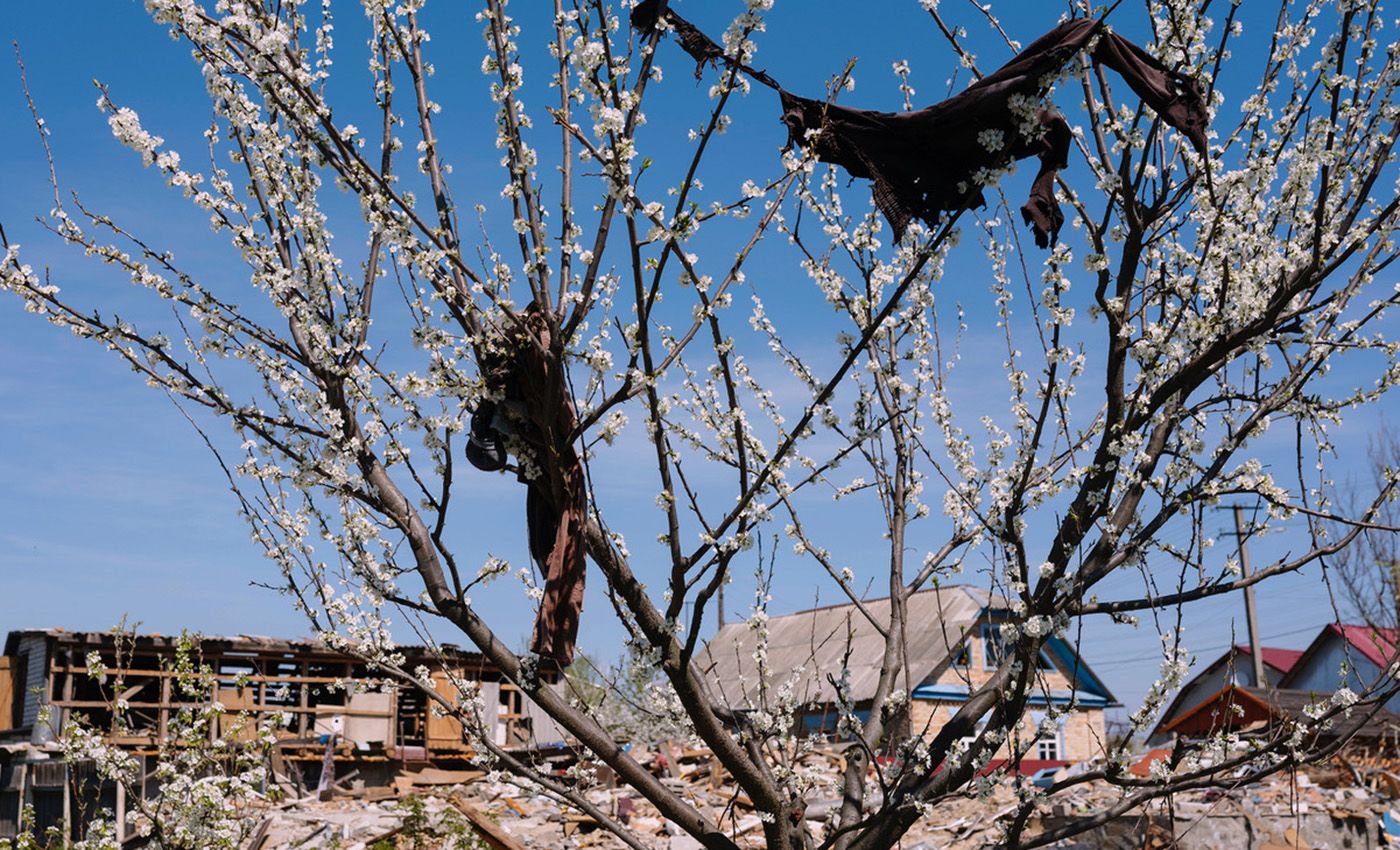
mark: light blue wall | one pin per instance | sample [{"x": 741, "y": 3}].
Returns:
[{"x": 1322, "y": 672}]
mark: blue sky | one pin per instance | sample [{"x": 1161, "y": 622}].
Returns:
[{"x": 113, "y": 506}]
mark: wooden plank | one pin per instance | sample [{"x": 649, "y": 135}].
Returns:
[
  {"x": 279, "y": 773},
  {"x": 489, "y": 830},
  {"x": 133, "y": 740},
  {"x": 121, "y": 813},
  {"x": 302, "y": 726},
  {"x": 237, "y": 701},
  {"x": 163, "y": 722},
  {"x": 255, "y": 708},
  {"x": 170, "y": 674},
  {"x": 574, "y": 822},
  {"x": 259, "y": 836},
  {"x": 672, "y": 754},
  {"x": 444, "y": 733},
  {"x": 438, "y": 776},
  {"x": 7, "y": 692},
  {"x": 23, "y": 797},
  {"x": 126, "y": 695}
]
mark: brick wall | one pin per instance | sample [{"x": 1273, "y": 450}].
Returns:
[
  {"x": 1082, "y": 732},
  {"x": 1081, "y": 736}
]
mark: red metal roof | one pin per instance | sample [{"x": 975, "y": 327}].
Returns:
[
  {"x": 1377, "y": 644},
  {"x": 1281, "y": 660},
  {"x": 1143, "y": 767}
]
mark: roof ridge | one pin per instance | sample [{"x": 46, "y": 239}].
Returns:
[{"x": 962, "y": 586}]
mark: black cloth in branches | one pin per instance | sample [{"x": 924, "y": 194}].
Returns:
[
  {"x": 701, "y": 48},
  {"x": 927, "y": 162}
]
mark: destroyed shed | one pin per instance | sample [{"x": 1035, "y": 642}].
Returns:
[
  {"x": 1235, "y": 667},
  {"x": 379, "y": 727},
  {"x": 953, "y": 647},
  {"x": 1246, "y": 710}
]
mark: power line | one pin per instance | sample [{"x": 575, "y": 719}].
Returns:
[{"x": 1134, "y": 659}]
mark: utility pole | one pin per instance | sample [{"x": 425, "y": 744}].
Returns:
[
  {"x": 1392, "y": 565},
  {"x": 1251, "y": 618}
]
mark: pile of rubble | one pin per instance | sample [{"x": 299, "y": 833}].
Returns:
[
  {"x": 1302, "y": 812},
  {"x": 1325, "y": 807}
]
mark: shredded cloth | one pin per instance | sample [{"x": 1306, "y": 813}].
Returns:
[
  {"x": 537, "y": 412},
  {"x": 702, "y": 49},
  {"x": 931, "y": 161}
]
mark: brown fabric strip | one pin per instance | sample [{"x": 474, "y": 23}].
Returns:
[
  {"x": 1174, "y": 96},
  {"x": 556, "y": 502},
  {"x": 542, "y": 418},
  {"x": 1042, "y": 211}
]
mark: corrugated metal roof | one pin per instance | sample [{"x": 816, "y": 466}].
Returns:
[
  {"x": 821, "y": 643},
  {"x": 1053, "y": 696}
]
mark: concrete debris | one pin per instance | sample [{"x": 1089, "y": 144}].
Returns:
[{"x": 1334, "y": 806}]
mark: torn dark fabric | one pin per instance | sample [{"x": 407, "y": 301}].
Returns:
[
  {"x": 701, "y": 48},
  {"x": 537, "y": 412},
  {"x": 928, "y": 162}
]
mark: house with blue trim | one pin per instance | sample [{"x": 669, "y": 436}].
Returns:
[{"x": 953, "y": 642}]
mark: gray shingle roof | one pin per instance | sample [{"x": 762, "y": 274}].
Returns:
[{"x": 822, "y": 642}]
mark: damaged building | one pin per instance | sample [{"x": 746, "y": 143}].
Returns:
[
  {"x": 953, "y": 647},
  {"x": 379, "y": 728}
]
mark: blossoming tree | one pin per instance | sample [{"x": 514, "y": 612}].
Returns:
[{"x": 1212, "y": 298}]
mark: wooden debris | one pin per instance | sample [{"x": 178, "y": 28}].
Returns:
[
  {"x": 505, "y": 816},
  {"x": 259, "y": 836},
  {"x": 670, "y": 760},
  {"x": 577, "y": 822},
  {"x": 491, "y": 831}
]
